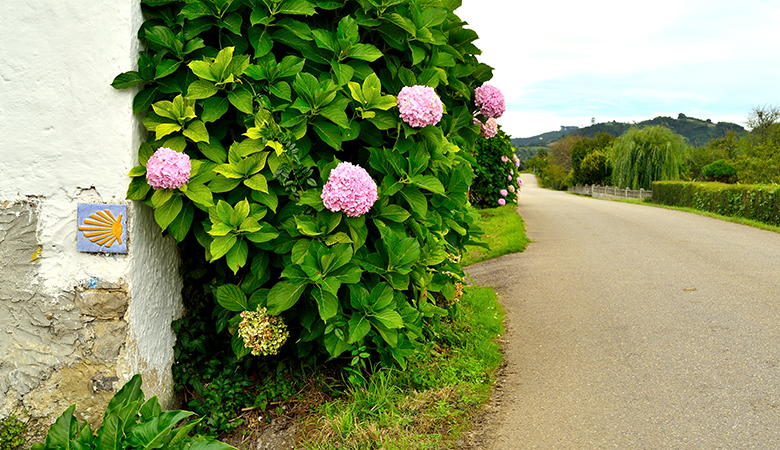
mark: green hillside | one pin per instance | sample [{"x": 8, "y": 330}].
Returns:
[{"x": 696, "y": 131}]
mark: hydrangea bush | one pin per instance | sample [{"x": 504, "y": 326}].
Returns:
[
  {"x": 497, "y": 177},
  {"x": 322, "y": 162}
]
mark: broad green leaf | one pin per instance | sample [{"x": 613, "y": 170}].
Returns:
[
  {"x": 181, "y": 224},
  {"x": 200, "y": 89},
  {"x": 336, "y": 112},
  {"x": 138, "y": 189},
  {"x": 126, "y": 80},
  {"x": 364, "y": 52},
  {"x": 242, "y": 99},
  {"x": 257, "y": 182},
  {"x": 327, "y": 304},
  {"x": 165, "y": 68},
  {"x": 283, "y": 296},
  {"x": 197, "y": 131},
  {"x": 165, "y": 214},
  {"x": 200, "y": 194},
  {"x": 202, "y": 69},
  {"x": 236, "y": 257},
  {"x": 213, "y": 109},
  {"x": 164, "y": 129},
  {"x": 428, "y": 182},
  {"x": 231, "y": 297},
  {"x": 394, "y": 213},
  {"x": 297, "y": 7},
  {"x": 359, "y": 327},
  {"x": 221, "y": 245},
  {"x": 338, "y": 238}
]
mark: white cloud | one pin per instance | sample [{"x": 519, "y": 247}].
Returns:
[{"x": 531, "y": 44}]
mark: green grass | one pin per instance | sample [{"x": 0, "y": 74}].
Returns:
[
  {"x": 504, "y": 233},
  {"x": 733, "y": 219},
  {"x": 431, "y": 402}
]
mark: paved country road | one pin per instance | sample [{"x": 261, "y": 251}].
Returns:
[{"x": 636, "y": 327}]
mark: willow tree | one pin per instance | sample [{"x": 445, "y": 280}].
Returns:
[{"x": 644, "y": 155}]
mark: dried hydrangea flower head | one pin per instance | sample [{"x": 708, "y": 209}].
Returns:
[
  {"x": 168, "y": 169},
  {"x": 349, "y": 189},
  {"x": 262, "y": 334},
  {"x": 490, "y": 101},
  {"x": 420, "y": 106},
  {"x": 489, "y": 128}
]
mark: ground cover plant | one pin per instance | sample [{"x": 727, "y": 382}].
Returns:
[
  {"x": 504, "y": 233},
  {"x": 130, "y": 421},
  {"x": 314, "y": 150}
]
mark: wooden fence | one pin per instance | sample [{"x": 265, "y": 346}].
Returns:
[{"x": 610, "y": 192}]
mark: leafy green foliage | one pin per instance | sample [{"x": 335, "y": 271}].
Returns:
[
  {"x": 757, "y": 202},
  {"x": 429, "y": 404},
  {"x": 130, "y": 421},
  {"x": 12, "y": 432},
  {"x": 211, "y": 380},
  {"x": 596, "y": 169},
  {"x": 491, "y": 173},
  {"x": 720, "y": 171},
  {"x": 266, "y": 97},
  {"x": 644, "y": 155}
]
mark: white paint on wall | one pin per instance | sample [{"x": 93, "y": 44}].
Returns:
[{"x": 68, "y": 137}]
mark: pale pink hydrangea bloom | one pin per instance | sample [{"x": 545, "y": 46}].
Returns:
[
  {"x": 504, "y": 192},
  {"x": 511, "y": 189},
  {"x": 489, "y": 128},
  {"x": 509, "y": 177},
  {"x": 349, "y": 189},
  {"x": 504, "y": 158},
  {"x": 168, "y": 169},
  {"x": 517, "y": 161},
  {"x": 501, "y": 201},
  {"x": 420, "y": 106},
  {"x": 490, "y": 101}
]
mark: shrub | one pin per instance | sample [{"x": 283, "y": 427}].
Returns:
[
  {"x": 720, "y": 171},
  {"x": 593, "y": 169},
  {"x": 495, "y": 164},
  {"x": 581, "y": 149},
  {"x": 129, "y": 422},
  {"x": 266, "y": 97},
  {"x": 644, "y": 155},
  {"x": 757, "y": 202},
  {"x": 12, "y": 432},
  {"x": 556, "y": 177}
]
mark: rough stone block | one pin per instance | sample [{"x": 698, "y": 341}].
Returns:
[{"x": 102, "y": 304}]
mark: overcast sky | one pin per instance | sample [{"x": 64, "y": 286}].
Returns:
[{"x": 563, "y": 62}]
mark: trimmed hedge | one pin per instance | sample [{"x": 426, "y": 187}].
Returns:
[{"x": 757, "y": 202}]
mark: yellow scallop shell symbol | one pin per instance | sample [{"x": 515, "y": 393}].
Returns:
[{"x": 103, "y": 228}]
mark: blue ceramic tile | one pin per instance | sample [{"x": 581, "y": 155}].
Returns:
[{"x": 102, "y": 228}]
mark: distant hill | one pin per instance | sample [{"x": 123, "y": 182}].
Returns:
[{"x": 696, "y": 131}]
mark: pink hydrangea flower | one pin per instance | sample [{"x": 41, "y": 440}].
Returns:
[
  {"x": 504, "y": 192},
  {"x": 349, "y": 189},
  {"x": 490, "y": 101},
  {"x": 517, "y": 161},
  {"x": 489, "y": 128},
  {"x": 168, "y": 169},
  {"x": 504, "y": 158},
  {"x": 509, "y": 177},
  {"x": 420, "y": 106},
  {"x": 501, "y": 201}
]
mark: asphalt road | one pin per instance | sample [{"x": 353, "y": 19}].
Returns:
[{"x": 636, "y": 327}]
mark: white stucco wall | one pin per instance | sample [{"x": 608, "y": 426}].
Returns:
[{"x": 68, "y": 137}]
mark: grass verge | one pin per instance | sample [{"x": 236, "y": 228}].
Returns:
[
  {"x": 733, "y": 219},
  {"x": 429, "y": 404},
  {"x": 504, "y": 233}
]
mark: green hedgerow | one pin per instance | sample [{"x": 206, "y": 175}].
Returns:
[{"x": 260, "y": 100}]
